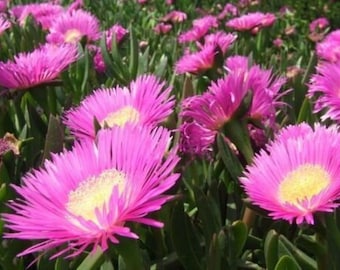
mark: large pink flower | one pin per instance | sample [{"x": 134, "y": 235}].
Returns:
[
  {"x": 72, "y": 26},
  {"x": 145, "y": 102},
  {"x": 39, "y": 66},
  {"x": 298, "y": 175},
  {"x": 86, "y": 196}
]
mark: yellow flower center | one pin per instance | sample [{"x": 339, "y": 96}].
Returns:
[
  {"x": 303, "y": 183},
  {"x": 72, "y": 36},
  {"x": 93, "y": 193},
  {"x": 121, "y": 117}
]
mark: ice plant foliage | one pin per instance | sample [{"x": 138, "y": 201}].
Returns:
[
  {"x": 145, "y": 102},
  {"x": 72, "y": 26},
  {"x": 297, "y": 175},
  {"x": 87, "y": 195},
  {"x": 39, "y": 66}
]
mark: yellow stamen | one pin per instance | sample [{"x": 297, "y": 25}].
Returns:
[
  {"x": 303, "y": 183},
  {"x": 93, "y": 193},
  {"x": 72, "y": 36},
  {"x": 121, "y": 117}
]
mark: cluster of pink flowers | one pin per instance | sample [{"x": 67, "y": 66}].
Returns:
[
  {"x": 85, "y": 196},
  {"x": 205, "y": 115}
]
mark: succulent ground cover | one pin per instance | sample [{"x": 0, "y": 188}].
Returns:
[{"x": 169, "y": 134}]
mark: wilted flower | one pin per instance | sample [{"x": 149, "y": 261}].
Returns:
[
  {"x": 174, "y": 17},
  {"x": 72, "y": 26},
  {"x": 145, "y": 102},
  {"x": 162, "y": 28},
  {"x": 86, "y": 196},
  {"x": 297, "y": 175},
  {"x": 318, "y": 24},
  {"x": 9, "y": 143},
  {"x": 39, "y": 66}
]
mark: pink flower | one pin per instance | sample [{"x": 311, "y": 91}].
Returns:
[
  {"x": 214, "y": 108},
  {"x": 87, "y": 196},
  {"x": 197, "y": 62},
  {"x": 252, "y": 22},
  {"x": 77, "y": 4},
  {"x": 325, "y": 86},
  {"x": 193, "y": 34},
  {"x": 318, "y": 24},
  {"x": 278, "y": 42},
  {"x": 98, "y": 60},
  {"x": 264, "y": 86},
  {"x": 4, "y": 24},
  {"x": 200, "y": 27},
  {"x": 145, "y": 102},
  {"x": 162, "y": 28},
  {"x": 116, "y": 30},
  {"x": 40, "y": 66},
  {"x": 329, "y": 48},
  {"x": 42, "y": 13},
  {"x": 196, "y": 139},
  {"x": 72, "y": 26},
  {"x": 228, "y": 10},
  {"x": 298, "y": 174},
  {"x": 208, "y": 21},
  {"x": 221, "y": 39},
  {"x": 3, "y": 5},
  {"x": 174, "y": 17}
]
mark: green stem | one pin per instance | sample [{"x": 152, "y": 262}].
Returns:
[
  {"x": 236, "y": 130},
  {"x": 130, "y": 252}
]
